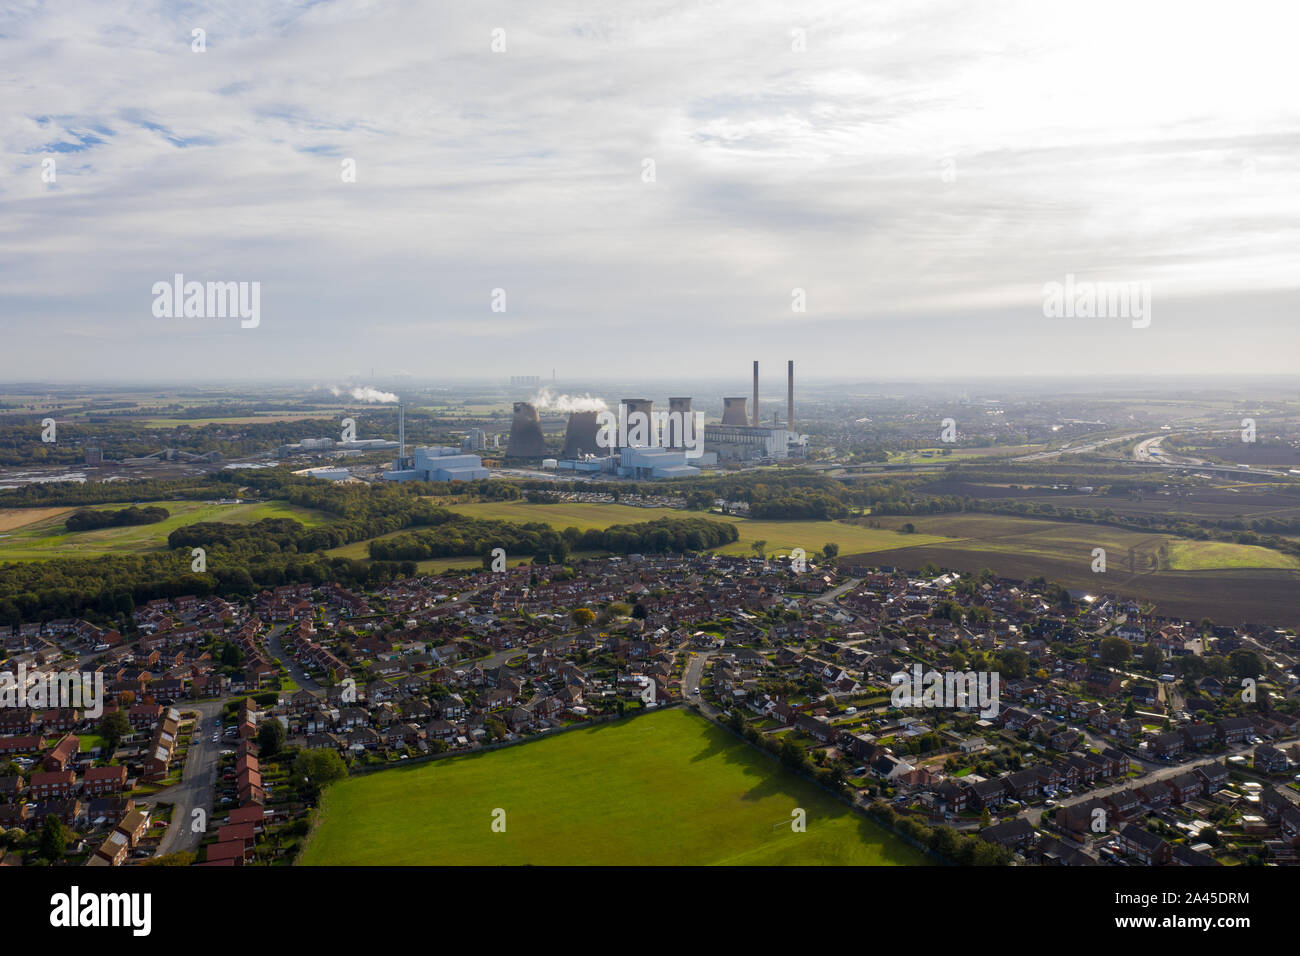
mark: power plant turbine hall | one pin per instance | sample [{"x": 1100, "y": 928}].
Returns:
[
  {"x": 580, "y": 436},
  {"x": 526, "y": 439}
]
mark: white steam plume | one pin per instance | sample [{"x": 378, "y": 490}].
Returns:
[
  {"x": 567, "y": 403},
  {"x": 365, "y": 394}
]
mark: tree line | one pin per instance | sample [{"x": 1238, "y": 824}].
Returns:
[{"x": 87, "y": 520}]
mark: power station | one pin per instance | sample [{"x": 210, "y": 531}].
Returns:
[
  {"x": 663, "y": 445},
  {"x": 741, "y": 436}
]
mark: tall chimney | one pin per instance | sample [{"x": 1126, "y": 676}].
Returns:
[
  {"x": 401, "y": 436},
  {"x": 789, "y": 402},
  {"x": 755, "y": 393}
]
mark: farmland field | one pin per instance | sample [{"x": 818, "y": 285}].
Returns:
[
  {"x": 44, "y": 536},
  {"x": 1219, "y": 580},
  {"x": 660, "y": 789}
]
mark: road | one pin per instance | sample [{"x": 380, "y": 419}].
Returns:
[
  {"x": 1069, "y": 448},
  {"x": 691, "y": 678},
  {"x": 278, "y": 652},
  {"x": 198, "y": 783},
  {"x": 1165, "y": 771},
  {"x": 833, "y": 595}
]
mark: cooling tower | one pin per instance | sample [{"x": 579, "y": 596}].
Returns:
[
  {"x": 639, "y": 405},
  {"x": 734, "y": 411},
  {"x": 580, "y": 437},
  {"x": 526, "y": 439},
  {"x": 674, "y": 436}
]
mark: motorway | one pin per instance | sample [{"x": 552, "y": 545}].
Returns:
[{"x": 1069, "y": 448}]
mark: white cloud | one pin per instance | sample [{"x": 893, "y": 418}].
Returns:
[{"x": 1155, "y": 142}]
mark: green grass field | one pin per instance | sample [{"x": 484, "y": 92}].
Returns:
[
  {"x": 661, "y": 789},
  {"x": 46, "y": 537},
  {"x": 1215, "y": 555},
  {"x": 780, "y": 536}
]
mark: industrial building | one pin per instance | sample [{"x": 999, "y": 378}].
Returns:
[
  {"x": 440, "y": 464},
  {"x": 309, "y": 445},
  {"x": 736, "y": 438},
  {"x": 326, "y": 473},
  {"x": 655, "y": 463},
  {"x": 752, "y": 443}
]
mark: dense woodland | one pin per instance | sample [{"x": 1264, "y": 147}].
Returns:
[{"x": 87, "y": 520}]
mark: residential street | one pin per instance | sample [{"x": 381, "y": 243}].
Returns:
[
  {"x": 197, "y": 785},
  {"x": 1165, "y": 771}
]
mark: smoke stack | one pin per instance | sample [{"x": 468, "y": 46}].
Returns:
[
  {"x": 756, "y": 393},
  {"x": 401, "y": 436},
  {"x": 789, "y": 401},
  {"x": 580, "y": 436},
  {"x": 676, "y": 437},
  {"x": 647, "y": 407},
  {"x": 526, "y": 439},
  {"x": 734, "y": 411}
]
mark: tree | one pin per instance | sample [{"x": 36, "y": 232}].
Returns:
[
  {"x": 113, "y": 727},
  {"x": 1245, "y": 663},
  {"x": 583, "y": 616},
  {"x": 270, "y": 737},
  {"x": 319, "y": 768},
  {"x": 1115, "y": 650},
  {"x": 760, "y": 548},
  {"x": 832, "y": 552},
  {"x": 1013, "y": 662},
  {"x": 54, "y": 842}
]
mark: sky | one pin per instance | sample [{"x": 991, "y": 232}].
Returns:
[{"x": 654, "y": 187}]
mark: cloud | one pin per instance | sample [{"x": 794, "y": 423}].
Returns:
[{"x": 919, "y": 165}]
